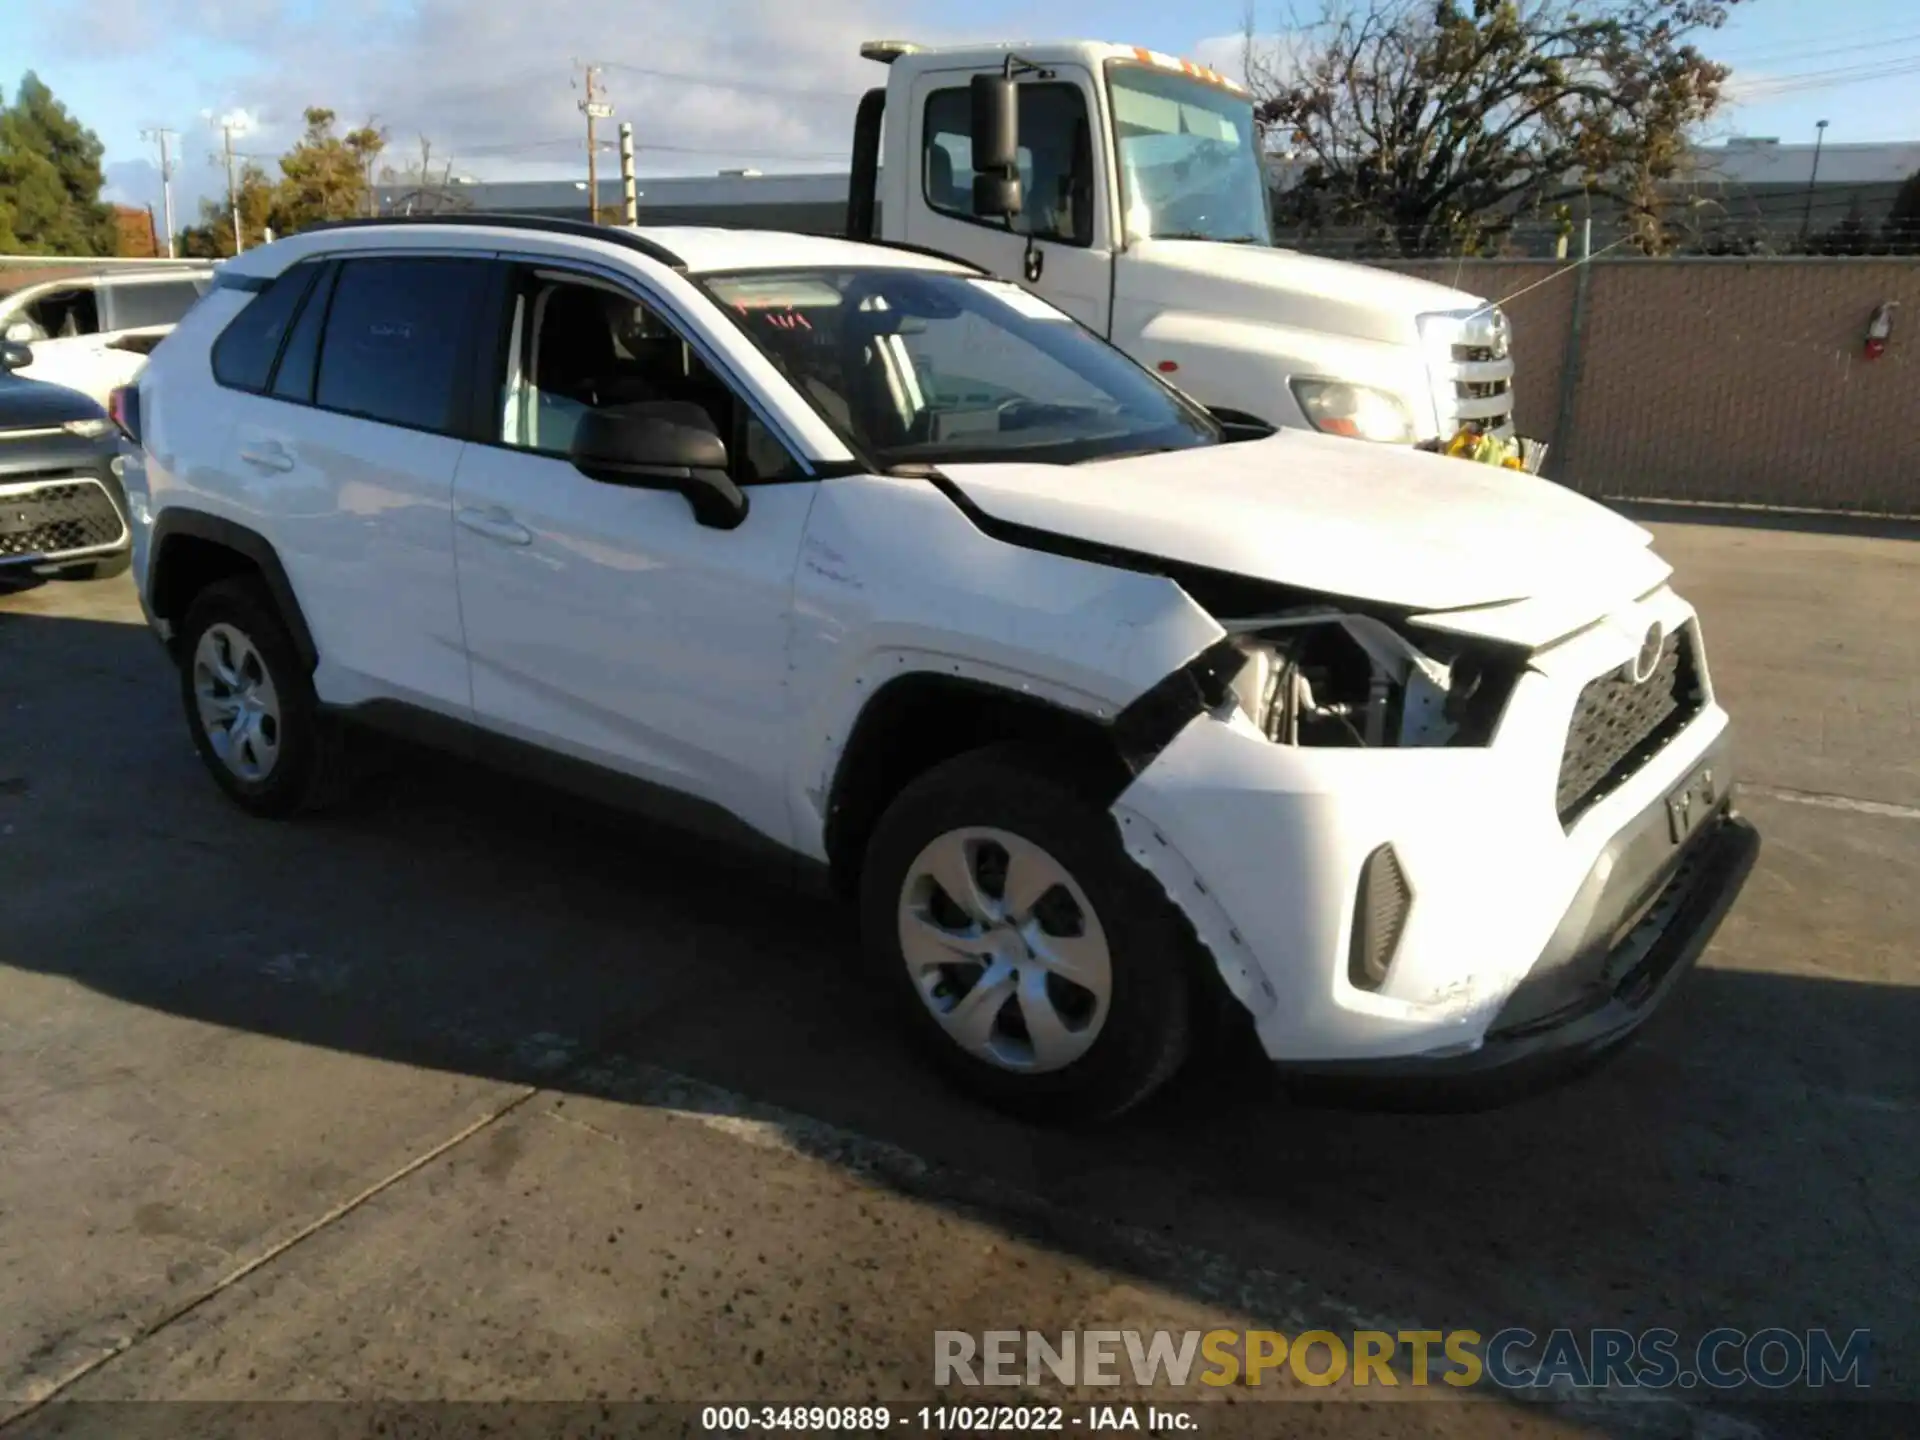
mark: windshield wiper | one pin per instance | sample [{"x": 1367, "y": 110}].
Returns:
[{"x": 1197, "y": 235}]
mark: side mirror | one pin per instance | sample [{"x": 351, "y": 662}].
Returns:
[
  {"x": 996, "y": 147},
  {"x": 20, "y": 332},
  {"x": 662, "y": 446},
  {"x": 14, "y": 355}
]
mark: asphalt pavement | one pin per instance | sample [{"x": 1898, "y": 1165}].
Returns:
[{"x": 473, "y": 1093}]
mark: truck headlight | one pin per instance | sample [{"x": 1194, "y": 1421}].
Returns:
[{"x": 1336, "y": 407}]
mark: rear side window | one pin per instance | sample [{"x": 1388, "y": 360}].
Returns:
[
  {"x": 293, "y": 379},
  {"x": 396, "y": 336},
  {"x": 243, "y": 356},
  {"x": 134, "y": 307}
]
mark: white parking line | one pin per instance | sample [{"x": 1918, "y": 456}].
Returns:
[{"x": 1833, "y": 802}]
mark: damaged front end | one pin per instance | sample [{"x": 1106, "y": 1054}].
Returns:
[
  {"x": 1322, "y": 675},
  {"x": 1318, "y": 675}
]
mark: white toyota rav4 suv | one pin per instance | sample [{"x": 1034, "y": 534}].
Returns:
[{"x": 1114, "y": 730}]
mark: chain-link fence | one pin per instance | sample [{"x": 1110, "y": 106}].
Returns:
[{"x": 1745, "y": 382}]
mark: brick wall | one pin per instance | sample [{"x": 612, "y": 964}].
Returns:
[{"x": 1724, "y": 381}]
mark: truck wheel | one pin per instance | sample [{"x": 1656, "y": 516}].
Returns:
[
  {"x": 1037, "y": 965},
  {"x": 251, "y": 707}
]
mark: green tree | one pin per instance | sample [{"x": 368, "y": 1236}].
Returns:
[
  {"x": 325, "y": 176},
  {"x": 50, "y": 179},
  {"x": 212, "y": 238},
  {"x": 1438, "y": 123}
]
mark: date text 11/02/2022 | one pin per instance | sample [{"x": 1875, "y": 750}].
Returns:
[{"x": 945, "y": 1419}]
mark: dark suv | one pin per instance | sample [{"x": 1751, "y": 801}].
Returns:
[{"x": 63, "y": 511}]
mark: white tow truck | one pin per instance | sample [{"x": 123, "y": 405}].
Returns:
[{"x": 1129, "y": 188}]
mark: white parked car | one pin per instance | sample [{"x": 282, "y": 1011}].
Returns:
[
  {"x": 859, "y": 555},
  {"x": 93, "y": 333}
]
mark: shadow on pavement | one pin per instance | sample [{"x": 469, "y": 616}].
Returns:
[{"x": 1748, "y": 1163}]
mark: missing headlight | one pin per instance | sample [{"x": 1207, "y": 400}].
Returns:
[{"x": 1316, "y": 675}]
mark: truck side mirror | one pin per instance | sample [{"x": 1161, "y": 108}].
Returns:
[{"x": 996, "y": 147}]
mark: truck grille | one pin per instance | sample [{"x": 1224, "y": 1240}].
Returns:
[
  {"x": 1472, "y": 381},
  {"x": 50, "y": 519},
  {"x": 1618, "y": 726}
]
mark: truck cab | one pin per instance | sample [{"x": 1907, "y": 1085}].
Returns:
[{"x": 1129, "y": 189}]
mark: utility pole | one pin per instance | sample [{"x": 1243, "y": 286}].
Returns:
[
  {"x": 166, "y": 179},
  {"x": 1806, "y": 218},
  {"x": 629, "y": 197},
  {"x": 233, "y": 193},
  {"x": 595, "y": 109}
]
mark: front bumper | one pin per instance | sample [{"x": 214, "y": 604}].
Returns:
[
  {"x": 1518, "y": 927},
  {"x": 61, "y": 503},
  {"x": 1526, "y": 1049}
]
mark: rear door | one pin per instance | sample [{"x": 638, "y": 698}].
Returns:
[
  {"x": 1061, "y": 245},
  {"x": 346, "y": 454}
]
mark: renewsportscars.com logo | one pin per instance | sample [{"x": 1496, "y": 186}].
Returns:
[{"x": 1510, "y": 1359}]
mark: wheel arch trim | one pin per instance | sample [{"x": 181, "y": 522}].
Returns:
[{"x": 247, "y": 543}]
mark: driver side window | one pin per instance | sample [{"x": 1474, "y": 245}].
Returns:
[
  {"x": 63, "y": 315},
  {"x": 578, "y": 345},
  {"x": 1056, "y": 160}
]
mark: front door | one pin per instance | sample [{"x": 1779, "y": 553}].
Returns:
[
  {"x": 1061, "y": 244},
  {"x": 603, "y": 620}
]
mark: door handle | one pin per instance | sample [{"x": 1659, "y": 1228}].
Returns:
[
  {"x": 271, "y": 455},
  {"x": 495, "y": 524}
]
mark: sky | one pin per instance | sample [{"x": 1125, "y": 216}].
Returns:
[{"x": 721, "y": 83}]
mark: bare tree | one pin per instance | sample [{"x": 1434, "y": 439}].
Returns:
[{"x": 1439, "y": 123}]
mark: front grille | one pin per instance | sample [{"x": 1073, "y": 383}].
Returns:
[
  {"x": 1473, "y": 354},
  {"x": 55, "y": 518},
  {"x": 1619, "y": 725}
]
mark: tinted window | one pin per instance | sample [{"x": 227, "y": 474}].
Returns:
[
  {"x": 1056, "y": 160},
  {"x": 294, "y": 379},
  {"x": 396, "y": 332},
  {"x": 163, "y": 303},
  {"x": 243, "y": 355},
  {"x": 577, "y": 348},
  {"x": 920, "y": 366}
]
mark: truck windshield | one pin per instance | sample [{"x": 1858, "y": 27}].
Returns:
[
  {"x": 1189, "y": 158},
  {"x": 925, "y": 367}
]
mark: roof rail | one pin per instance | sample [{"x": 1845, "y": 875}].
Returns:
[{"x": 545, "y": 224}]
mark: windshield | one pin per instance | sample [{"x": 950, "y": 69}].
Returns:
[
  {"x": 1189, "y": 158},
  {"x": 918, "y": 366}
]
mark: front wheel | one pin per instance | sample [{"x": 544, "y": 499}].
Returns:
[{"x": 1039, "y": 966}]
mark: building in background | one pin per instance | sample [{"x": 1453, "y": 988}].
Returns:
[{"x": 1748, "y": 194}]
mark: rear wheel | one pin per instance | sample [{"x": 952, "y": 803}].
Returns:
[
  {"x": 1038, "y": 966},
  {"x": 250, "y": 704}
]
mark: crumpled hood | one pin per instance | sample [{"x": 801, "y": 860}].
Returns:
[{"x": 1347, "y": 519}]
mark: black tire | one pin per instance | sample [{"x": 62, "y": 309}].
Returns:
[
  {"x": 310, "y": 770},
  {"x": 1149, "y": 1019}
]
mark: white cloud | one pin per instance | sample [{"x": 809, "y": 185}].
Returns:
[{"x": 493, "y": 83}]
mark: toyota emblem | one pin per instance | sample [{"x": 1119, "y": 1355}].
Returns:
[{"x": 1648, "y": 660}]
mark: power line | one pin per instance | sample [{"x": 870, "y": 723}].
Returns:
[
  {"x": 1801, "y": 81},
  {"x": 1853, "y": 40}
]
